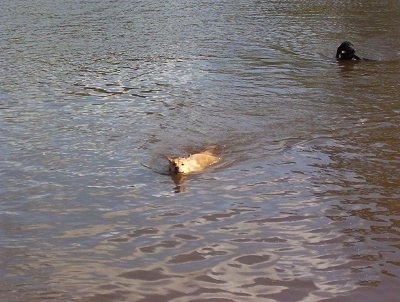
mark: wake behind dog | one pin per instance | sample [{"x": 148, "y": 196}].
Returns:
[{"x": 192, "y": 163}]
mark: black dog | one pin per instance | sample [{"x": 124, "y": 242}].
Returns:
[{"x": 346, "y": 52}]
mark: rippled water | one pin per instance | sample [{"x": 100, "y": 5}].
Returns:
[{"x": 305, "y": 204}]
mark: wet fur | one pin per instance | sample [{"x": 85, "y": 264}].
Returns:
[
  {"x": 346, "y": 52},
  {"x": 192, "y": 163}
]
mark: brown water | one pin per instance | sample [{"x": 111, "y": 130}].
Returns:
[{"x": 305, "y": 204}]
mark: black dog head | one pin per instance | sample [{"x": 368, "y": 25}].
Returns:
[{"x": 346, "y": 51}]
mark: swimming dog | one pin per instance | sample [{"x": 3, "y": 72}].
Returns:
[
  {"x": 192, "y": 163},
  {"x": 346, "y": 52}
]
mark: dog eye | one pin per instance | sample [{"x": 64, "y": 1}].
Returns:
[{"x": 182, "y": 164}]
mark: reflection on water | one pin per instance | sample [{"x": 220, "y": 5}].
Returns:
[{"x": 304, "y": 205}]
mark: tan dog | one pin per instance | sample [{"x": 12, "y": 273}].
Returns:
[{"x": 192, "y": 163}]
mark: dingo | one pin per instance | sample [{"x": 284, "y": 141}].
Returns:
[{"x": 192, "y": 163}]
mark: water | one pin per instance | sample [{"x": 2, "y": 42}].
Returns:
[{"x": 305, "y": 204}]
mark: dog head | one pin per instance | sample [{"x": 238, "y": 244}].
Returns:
[
  {"x": 178, "y": 165},
  {"x": 346, "y": 51}
]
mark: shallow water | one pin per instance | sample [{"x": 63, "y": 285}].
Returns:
[{"x": 305, "y": 204}]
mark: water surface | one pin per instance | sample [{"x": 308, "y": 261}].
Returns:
[{"x": 304, "y": 205}]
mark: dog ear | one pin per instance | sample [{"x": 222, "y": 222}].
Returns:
[{"x": 170, "y": 159}]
